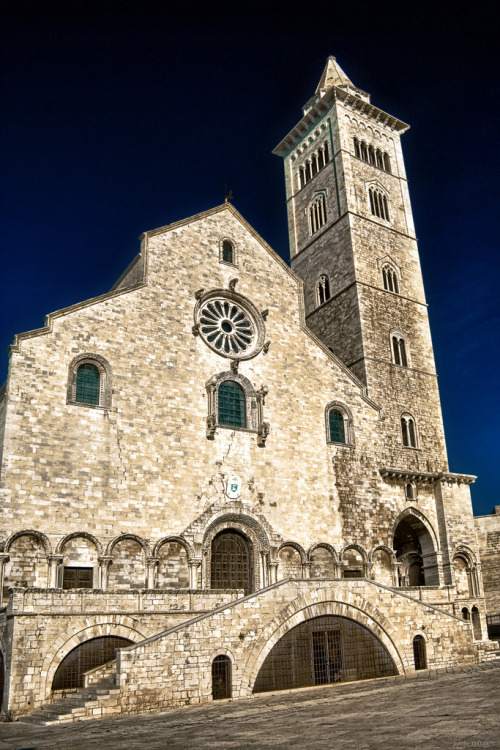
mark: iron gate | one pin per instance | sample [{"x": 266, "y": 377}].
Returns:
[
  {"x": 322, "y": 651},
  {"x": 84, "y": 657},
  {"x": 231, "y": 562}
]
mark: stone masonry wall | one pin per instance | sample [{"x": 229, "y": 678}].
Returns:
[
  {"x": 175, "y": 668},
  {"x": 488, "y": 531}
]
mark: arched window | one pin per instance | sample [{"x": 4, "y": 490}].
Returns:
[
  {"x": 465, "y": 614},
  {"x": 323, "y": 289},
  {"x": 409, "y": 432},
  {"x": 378, "y": 203},
  {"x": 399, "y": 351},
  {"x": 89, "y": 381},
  {"x": 88, "y": 655},
  {"x": 390, "y": 279},
  {"x": 419, "y": 652},
  {"x": 232, "y": 405},
  {"x": 357, "y": 151},
  {"x": 325, "y": 151},
  {"x": 371, "y": 155},
  {"x": 317, "y": 213},
  {"x": 379, "y": 159},
  {"x": 88, "y": 384},
  {"x": 476, "y": 623},
  {"x": 336, "y": 426},
  {"x": 227, "y": 252},
  {"x": 410, "y": 491},
  {"x": 221, "y": 678},
  {"x": 387, "y": 163},
  {"x": 364, "y": 151}
]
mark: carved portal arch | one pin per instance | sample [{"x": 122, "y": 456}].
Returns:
[{"x": 255, "y": 537}]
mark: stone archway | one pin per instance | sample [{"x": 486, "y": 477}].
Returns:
[
  {"x": 321, "y": 651},
  {"x": 415, "y": 548}
]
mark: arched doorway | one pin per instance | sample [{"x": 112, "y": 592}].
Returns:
[
  {"x": 86, "y": 656},
  {"x": 414, "y": 548},
  {"x": 322, "y": 651},
  {"x": 221, "y": 678},
  {"x": 231, "y": 566},
  {"x": 419, "y": 652}
]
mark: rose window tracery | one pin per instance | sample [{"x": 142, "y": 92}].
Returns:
[
  {"x": 227, "y": 327},
  {"x": 229, "y": 324}
]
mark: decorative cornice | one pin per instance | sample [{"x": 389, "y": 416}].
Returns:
[
  {"x": 322, "y": 105},
  {"x": 424, "y": 477}
]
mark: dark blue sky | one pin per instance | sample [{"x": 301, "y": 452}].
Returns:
[{"x": 124, "y": 116}]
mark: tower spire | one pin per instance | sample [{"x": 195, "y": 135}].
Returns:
[{"x": 333, "y": 75}]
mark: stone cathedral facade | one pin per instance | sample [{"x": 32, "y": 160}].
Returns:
[{"x": 227, "y": 475}]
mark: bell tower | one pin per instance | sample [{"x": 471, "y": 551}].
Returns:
[{"x": 352, "y": 241}]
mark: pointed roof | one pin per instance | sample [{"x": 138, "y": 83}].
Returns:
[{"x": 333, "y": 75}]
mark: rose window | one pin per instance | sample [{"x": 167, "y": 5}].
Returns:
[{"x": 227, "y": 327}]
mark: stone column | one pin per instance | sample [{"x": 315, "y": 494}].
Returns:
[
  {"x": 194, "y": 578},
  {"x": 4, "y": 559},
  {"x": 263, "y": 569},
  {"x": 152, "y": 572},
  {"x": 104, "y": 563},
  {"x": 55, "y": 562},
  {"x": 273, "y": 571},
  {"x": 396, "y": 573},
  {"x": 306, "y": 569}
]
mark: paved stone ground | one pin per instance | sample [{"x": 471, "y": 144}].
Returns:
[{"x": 430, "y": 713}]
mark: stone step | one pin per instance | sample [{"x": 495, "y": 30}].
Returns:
[{"x": 84, "y": 703}]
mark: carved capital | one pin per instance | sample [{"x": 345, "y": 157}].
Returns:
[
  {"x": 199, "y": 293},
  {"x": 196, "y": 329},
  {"x": 232, "y": 284},
  {"x": 262, "y": 433},
  {"x": 265, "y": 313},
  {"x": 211, "y": 426}
]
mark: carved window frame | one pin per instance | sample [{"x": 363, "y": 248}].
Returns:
[
  {"x": 407, "y": 419},
  {"x": 105, "y": 380},
  {"x": 254, "y": 406},
  {"x": 397, "y": 350},
  {"x": 348, "y": 423}
]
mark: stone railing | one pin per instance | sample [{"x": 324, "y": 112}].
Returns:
[{"x": 59, "y": 601}]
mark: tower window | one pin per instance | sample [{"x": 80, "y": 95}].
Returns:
[
  {"x": 410, "y": 491},
  {"x": 378, "y": 203},
  {"x": 323, "y": 289},
  {"x": 232, "y": 405},
  {"x": 390, "y": 279},
  {"x": 312, "y": 166},
  {"x": 399, "y": 351},
  {"x": 374, "y": 156},
  {"x": 317, "y": 213},
  {"x": 408, "y": 431}
]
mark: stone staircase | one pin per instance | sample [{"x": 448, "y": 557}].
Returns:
[{"x": 100, "y": 697}]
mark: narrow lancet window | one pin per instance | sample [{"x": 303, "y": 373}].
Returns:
[{"x": 88, "y": 382}]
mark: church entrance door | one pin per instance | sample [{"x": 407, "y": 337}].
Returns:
[{"x": 231, "y": 562}]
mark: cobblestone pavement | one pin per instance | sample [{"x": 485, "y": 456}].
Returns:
[{"x": 457, "y": 711}]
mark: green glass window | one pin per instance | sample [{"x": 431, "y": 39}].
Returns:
[
  {"x": 232, "y": 408},
  {"x": 337, "y": 429},
  {"x": 227, "y": 252},
  {"x": 88, "y": 381}
]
